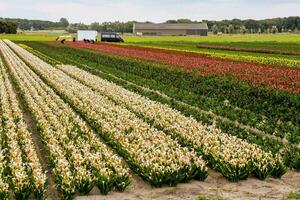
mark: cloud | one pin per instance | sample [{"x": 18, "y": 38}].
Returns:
[{"x": 88, "y": 11}]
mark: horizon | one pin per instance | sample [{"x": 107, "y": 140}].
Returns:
[
  {"x": 156, "y": 11},
  {"x": 200, "y": 21}
]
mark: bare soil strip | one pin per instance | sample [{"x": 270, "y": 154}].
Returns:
[{"x": 214, "y": 186}]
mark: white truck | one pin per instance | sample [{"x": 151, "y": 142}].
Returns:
[{"x": 86, "y": 35}]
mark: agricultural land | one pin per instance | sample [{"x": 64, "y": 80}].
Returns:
[{"x": 214, "y": 117}]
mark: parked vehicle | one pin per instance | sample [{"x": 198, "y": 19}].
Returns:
[
  {"x": 110, "y": 37},
  {"x": 86, "y": 35}
]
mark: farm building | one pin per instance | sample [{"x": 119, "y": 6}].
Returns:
[
  {"x": 162, "y": 29},
  {"x": 86, "y": 34}
]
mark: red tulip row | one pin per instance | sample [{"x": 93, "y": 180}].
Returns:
[{"x": 281, "y": 78}]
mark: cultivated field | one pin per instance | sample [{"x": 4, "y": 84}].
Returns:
[
  {"x": 82, "y": 120},
  {"x": 263, "y": 48},
  {"x": 42, "y": 35}
]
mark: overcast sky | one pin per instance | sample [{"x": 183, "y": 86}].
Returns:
[{"x": 88, "y": 11}]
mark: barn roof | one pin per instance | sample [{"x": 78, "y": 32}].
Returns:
[{"x": 170, "y": 26}]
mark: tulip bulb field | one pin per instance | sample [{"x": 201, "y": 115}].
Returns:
[{"x": 81, "y": 119}]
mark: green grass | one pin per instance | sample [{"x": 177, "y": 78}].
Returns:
[
  {"x": 292, "y": 196},
  {"x": 290, "y": 38},
  {"x": 41, "y": 35},
  {"x": 46, "y": 32},
  {"x": 210, "y": 198},
  {"x": 24, "y": 37}
]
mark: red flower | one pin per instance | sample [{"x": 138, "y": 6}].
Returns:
[{"x": 282, "y": 78}]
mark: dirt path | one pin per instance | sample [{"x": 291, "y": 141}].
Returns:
[{"x": 214, "y": 186}]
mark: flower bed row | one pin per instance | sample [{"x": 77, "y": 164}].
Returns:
[
  {"x": 274, "y": 113},
  {"x": 80, "y": 161},
  {"x": 232, "y": 153},
  {"x": 258, "y": 50},
  {"x": 20, "y": 167},
  {"x": 274, "y": 78},
  {"x": 152, "y": 154}
]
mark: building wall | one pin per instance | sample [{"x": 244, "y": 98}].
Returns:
[{"x": 170, "y": 32}]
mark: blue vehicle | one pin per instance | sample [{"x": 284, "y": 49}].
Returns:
[{"x": 110, "y": 37}]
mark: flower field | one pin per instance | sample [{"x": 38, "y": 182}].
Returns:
[
  {"x": 77, "y": 164},
  {"x": 97, "y": 129},
  {"x": 275, "y": 113},
  {"x": 20, "y": 169},
  {"x": 271, "y": 77},
  {"x": 259, "y": 47}
]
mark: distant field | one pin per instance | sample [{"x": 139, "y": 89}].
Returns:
[
  {"x": 274, "y": 42},
  {"x": 278, "y": 42},
  {"x": 23, "y": 37},
  {"x": 43, "y": 35},
  {"x": 46, "y": 32},
  {"x": 223, "y": 38},
  {"x": 281, "y": 42}
]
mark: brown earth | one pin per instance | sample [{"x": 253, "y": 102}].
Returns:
[{"x": 214, "y": 186}]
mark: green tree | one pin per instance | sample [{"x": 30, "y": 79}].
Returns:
[
  {"x": 243, "y": 30},
  {"x": 8, "y": 27},
  {"x": 95, "y": 26},
  {"x": 230, "y": 29},
  {"x": 171, "y": 21},
  {"x": 274, "y": 29},
  {"x": 64, "y": 22},
  {"x": 215, "y": 29},
  {"x": 184, "y": 21}
]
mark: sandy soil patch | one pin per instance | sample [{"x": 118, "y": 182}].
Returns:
[{"x": 214, "y": 185}]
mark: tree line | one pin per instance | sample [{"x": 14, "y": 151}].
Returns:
[
  {"x": 120, "y": 27},
  {"x": 26, "y": 24},
  {"x": 8, "y": 27},
  {"x": 286, "y": 24}
]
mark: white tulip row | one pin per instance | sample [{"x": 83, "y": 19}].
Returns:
[
  {"x": 80, "y": 160},
  {"x": 151, "y": 153},
  {"x": 4, "y": 186},
  {"x": 24, "y": 165},
  {"x": 229, "y": 151}
]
